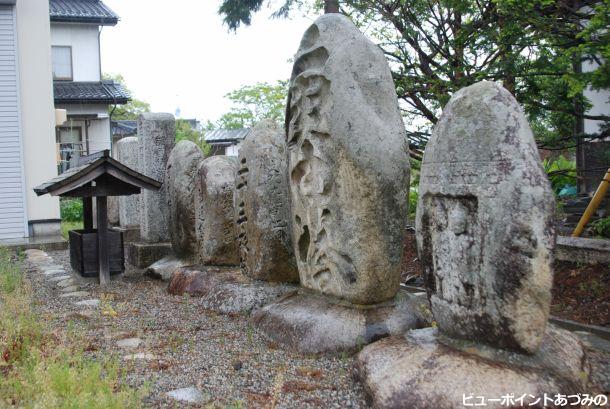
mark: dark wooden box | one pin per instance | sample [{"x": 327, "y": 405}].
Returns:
[{"x": 84, "y": 252}]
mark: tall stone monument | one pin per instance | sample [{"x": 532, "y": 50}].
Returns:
[
  {"x": 181, "y": 181},
  {"x": 215, "y": 225},
  {"x": 485, "y": 238},
  {"x": 129, "y": 206},
  {"x": 262, "y": 211},
  {"x": 348, "y": 172},
  {"x": 348, "y": 165},
  {"x": 156, "y": 138}
]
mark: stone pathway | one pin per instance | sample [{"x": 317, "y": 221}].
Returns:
[{"x": 55, "y": 273}]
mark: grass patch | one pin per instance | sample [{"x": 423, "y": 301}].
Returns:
[
  {"x": 67, "y": 226},
  {"x": 40, "y": 368}
]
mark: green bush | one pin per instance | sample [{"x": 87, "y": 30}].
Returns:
[
  {"x": 413, "y": 194},
  {"x": 601, "y": 227},
  {"x": 561, "y": 172},
  {"x": 71, "y": 210}
]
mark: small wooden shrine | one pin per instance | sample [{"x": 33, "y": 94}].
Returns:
[{"x": 97, "y": 251}]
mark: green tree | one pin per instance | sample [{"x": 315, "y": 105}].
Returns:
[
  {"x": 435, "y": 47},
  {"x": 238, "y": 12},
  {"x": 133, "y": 108},
  {"x": 253, "y": 103},
  {"x": 184, "y": 131}
]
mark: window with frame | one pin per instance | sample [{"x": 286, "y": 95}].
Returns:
[{"x": 62, "y": 62}]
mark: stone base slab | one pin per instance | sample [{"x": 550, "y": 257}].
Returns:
[
  {"x": 582, "y": 250},
  {"x": 309, "y": 323},
  {"x": 164, "y": 268},
  {"x": 142, "y": 254},
  {"x": 425, "y": 369},
  {"x": 130, "y": 234},
  {"x": 225, "y": 289}
]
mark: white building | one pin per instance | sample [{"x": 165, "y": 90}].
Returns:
[
  {"x": 76, "y": 27},
  {"x": 226, "y": 141},
  {"x": 27, "y": 120}
]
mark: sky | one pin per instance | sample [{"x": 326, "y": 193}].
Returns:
[{"x": 178, "y": 54}]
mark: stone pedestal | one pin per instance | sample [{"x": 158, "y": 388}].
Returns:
[
  {"x": 225, "y": 289},
  {"x": 310, "y": 323},
  {"x": 142, "y": 255},
  {"x": 425, "y": 369},
  {"x": 130, "y": 234}
]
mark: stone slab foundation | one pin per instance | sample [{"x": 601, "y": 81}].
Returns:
[
  {"x": 226, "y": 290},
  {"x": 130, "y": 234},
  {"x": 582, "y": 250},
  {"x": 142, "y": 255},
  {"x": 425, "y": 369},
  {"x": 309, "y": 323}
]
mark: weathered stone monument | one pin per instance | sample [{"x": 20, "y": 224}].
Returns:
[
  {"x": 215, "y": 225},
  {"x": 262, "y": 210},
  {"x": 156, "y": 138},
  {"x": 217, "y": 279},
  {"x": 485, "y": 238},
  {"x": 129, "y": 206},
  {"x": 486, "y": 280},
  {"x": 180, "y": 182},
  {"x": 348, "y": 172}
]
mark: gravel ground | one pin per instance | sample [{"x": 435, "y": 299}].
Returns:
[{"x": 221, "y": 355}]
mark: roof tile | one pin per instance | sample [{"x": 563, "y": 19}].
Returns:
[
  {"x": 104, "y": 92},
  {"x": 82, "y": 11}
]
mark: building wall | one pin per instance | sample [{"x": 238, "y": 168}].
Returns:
[
  {"x": 99, "y": 129},
  {"x": 36, "y": 101},
  {"x": 600, "y": 101},
  {"x": 84, "y": 40}
]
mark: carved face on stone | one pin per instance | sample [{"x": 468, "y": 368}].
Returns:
[
  {"x": 485, "y": 222},
  {"x": 347, "y": 163}
]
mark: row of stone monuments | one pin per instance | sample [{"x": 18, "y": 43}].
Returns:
[{"x": 315, "y": 217}]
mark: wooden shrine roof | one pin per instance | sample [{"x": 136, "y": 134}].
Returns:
[{"x": 98, "y": 175}]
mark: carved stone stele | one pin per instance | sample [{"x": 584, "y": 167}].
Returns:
[
  {"x": 215, "y": 226},
  {"x": 156, "y": 138},
  {"x": 180, "y": 179},
  {"x": 485, "y": 227},
  {"x": 348, "y": 165},
  {"x": 262, "y": 210},
  {"x": 129, "y": 206}
]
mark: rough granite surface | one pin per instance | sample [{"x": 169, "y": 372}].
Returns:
[{"x": 424, "y": 369}]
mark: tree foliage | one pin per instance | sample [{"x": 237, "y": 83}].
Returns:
[
  {"x": 435, "y": 47},
  {"x": 133, "y": 108},
  {"x": 253, "y": 103},
  {"x": 184, "y": 131}
]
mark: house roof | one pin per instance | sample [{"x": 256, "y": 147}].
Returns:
[
  {"x": 111, "y": 176},
  {"x": 104, "y": 92},
  {"x": 124, "y": 127},
  {"x": 226, "y": 135},
  {"x": 82, "y": 11}
]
